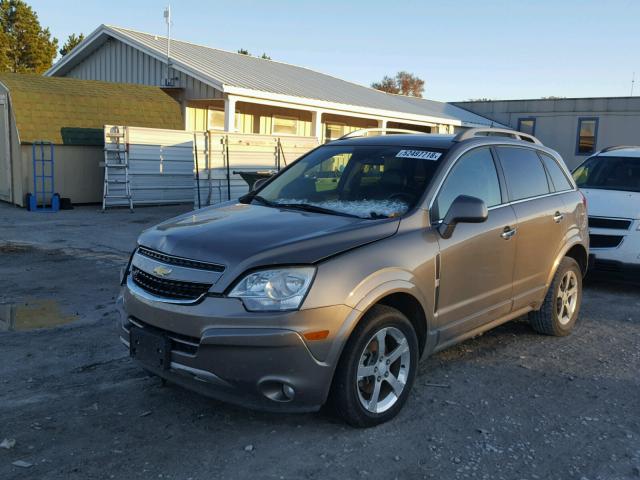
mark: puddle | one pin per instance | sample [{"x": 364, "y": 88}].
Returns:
[{"x": 32, "y": 314}]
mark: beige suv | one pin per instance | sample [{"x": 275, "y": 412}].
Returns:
[{"x": 331, "y": 280}]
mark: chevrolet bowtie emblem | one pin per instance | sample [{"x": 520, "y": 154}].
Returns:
[{"x": 162, "y": 271}]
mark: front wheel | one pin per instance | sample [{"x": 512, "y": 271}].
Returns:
[
  {"x": 559, "y": 311},
  {"x": 377, "y": 368}
]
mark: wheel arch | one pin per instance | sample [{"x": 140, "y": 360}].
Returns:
[{"x": 576, "y": 250}]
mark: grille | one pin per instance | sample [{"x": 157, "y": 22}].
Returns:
[
  {"x": 615, "y": 223},
  {"x": 178, "y": 261},
  {"x": 605, "y": 241},
  {"x": 168, "y": 288}
]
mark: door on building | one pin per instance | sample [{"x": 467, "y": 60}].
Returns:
[{"x": 5, "y": 151}]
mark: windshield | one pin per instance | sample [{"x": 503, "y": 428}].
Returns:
[
  {"x": 362, "y": 181},
  {"x": 609, "y": 173}
]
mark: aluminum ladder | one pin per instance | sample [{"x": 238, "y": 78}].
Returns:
[{"x": 117, "y": 186}]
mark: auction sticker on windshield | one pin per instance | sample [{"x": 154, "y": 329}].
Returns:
[{"x": 422, "y": 154}]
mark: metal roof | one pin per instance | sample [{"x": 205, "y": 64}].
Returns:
[
  {"x": 67, "y": 111},
  {"x": 227, "y": 71}
]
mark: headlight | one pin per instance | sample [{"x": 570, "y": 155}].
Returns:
[{"x": 274, "y": 289}]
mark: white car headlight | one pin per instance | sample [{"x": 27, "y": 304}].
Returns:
[{"x": 274, "y": 289}]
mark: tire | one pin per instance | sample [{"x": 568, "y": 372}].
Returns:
[
  {"x": 361, "y": 356},
  {"x": 557, "y": 316}
]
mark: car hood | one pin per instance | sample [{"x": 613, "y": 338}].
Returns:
[
  {"x": 243, "y": 236},
  {"x": 612, "y": 203}
]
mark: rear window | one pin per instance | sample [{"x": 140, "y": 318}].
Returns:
[
  {"x": 609, "y": 173},
  {"x": 523, "y": 172},
  {"x": 558, "y": 177}
]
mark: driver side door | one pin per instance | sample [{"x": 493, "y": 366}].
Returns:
[{"x": 476, "y": 263}]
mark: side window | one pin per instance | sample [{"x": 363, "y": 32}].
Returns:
[
  {"x": 473, "y": 174},
  {"x": 523, "y": 172},
  {"x": 559, "y": 179},
  {"x": 527, "y": 125},
  {"x": 587, "y": 136}
]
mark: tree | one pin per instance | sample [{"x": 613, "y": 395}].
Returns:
[
  {"x": 71, "y": 43},
  {"x": 404, "y": 83},
  {"x": 265, "y": 56},
  {"x": 24, "y": 45}
]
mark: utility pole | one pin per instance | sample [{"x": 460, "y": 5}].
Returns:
[
  {"x": 633, "y": 82},
  {"x": 167, "y": 18}
]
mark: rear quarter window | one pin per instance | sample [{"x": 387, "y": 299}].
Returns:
[
  {"x": 523, "y": 171},
  {"x": 558, "y": 177}
]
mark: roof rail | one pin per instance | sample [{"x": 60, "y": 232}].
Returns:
[
  {"x": 473, "y": 132},
  {"x": 618, "y": 147},
  {"x": 364, "y": 132}
]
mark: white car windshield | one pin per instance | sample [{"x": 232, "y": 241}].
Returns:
[
  {"x": 361, "y": 181},
  {"x": 609, "y": 173}
]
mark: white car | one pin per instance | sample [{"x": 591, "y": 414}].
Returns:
[{"x": 610, "y": 180}]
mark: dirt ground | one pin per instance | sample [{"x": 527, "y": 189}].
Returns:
[{"x": 510, "y": 404}]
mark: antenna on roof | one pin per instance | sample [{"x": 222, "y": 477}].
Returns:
[{"x": 168, "y": 81}]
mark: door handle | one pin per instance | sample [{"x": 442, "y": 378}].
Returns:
[
  {"x": 557, "y": 217},
  {"x": 508, "y": 232}
]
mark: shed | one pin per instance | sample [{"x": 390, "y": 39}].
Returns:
[{"x": 71, "y": 114}]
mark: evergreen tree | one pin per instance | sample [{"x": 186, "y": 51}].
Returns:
[
  {"x": 24, "y": 45},
  {"x": 71, "y": 43}
]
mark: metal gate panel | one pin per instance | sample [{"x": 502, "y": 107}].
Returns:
[
  {"x": 245, "y": 152},
  {"x": 161, "y": 165}
]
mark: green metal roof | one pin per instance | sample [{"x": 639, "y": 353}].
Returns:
[{"x": 67, "y": 111}]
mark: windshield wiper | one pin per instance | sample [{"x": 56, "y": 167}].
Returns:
[
  {"x": 307, "y": 207},
  {"x": 264, "y": 201}
]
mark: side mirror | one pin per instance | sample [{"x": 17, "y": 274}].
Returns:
[
  {"x": 464, "y": 209},
  {"x": 258, "y": 183}
]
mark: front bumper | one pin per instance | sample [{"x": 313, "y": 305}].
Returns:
[{"x": 257, "y": 360}]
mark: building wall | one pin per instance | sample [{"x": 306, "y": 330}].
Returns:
[
  {"x": 557, "y": 120},
  {"x": 115, "y": 61},
  {"x": 77, "y": 173}
]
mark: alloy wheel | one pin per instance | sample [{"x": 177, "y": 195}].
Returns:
[
  {"x": 383, "y": 370},
  {"x": 567, "y": 297}
]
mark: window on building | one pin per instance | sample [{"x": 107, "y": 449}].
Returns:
[
  {"x": 527, "y": 125},
  {"x": 523, "y": 172},
  {"x": 333, "y": 131},
  {"x": 284, "y": 125},
  {"x": 473, "y": 174},
  {"x": 216, "y": 120},
  {"x": 587, "y": 136},
  {"x": 558, "y": 177}
]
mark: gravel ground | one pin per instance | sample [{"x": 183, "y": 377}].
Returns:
[{"x": 510, "y": 404}]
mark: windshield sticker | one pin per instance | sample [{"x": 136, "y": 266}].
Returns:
[{"x": 422, "y": 154}]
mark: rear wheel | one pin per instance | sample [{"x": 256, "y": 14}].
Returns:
[
  {"x": 377, "y": 368},
  {"x": 559, "y": 311}
]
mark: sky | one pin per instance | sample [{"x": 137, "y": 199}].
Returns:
[{"x": 498, "y": 49}]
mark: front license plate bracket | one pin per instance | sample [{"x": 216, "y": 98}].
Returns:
[{"x": 150, "y": 348}]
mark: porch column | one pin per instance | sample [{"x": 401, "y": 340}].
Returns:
[
  {"x": 230, "y": 114},
  {"x": 316, "y": 124},
  {"x": 382, "y": 124}
]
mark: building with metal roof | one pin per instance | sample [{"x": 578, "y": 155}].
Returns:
[
  {"x": 232, "y": 92},
  {"x": 70, "y": 114}
]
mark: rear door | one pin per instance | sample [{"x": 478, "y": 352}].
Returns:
[
  {"x": 476, "y": 263},
  {"x": 541, "y": 218}
]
